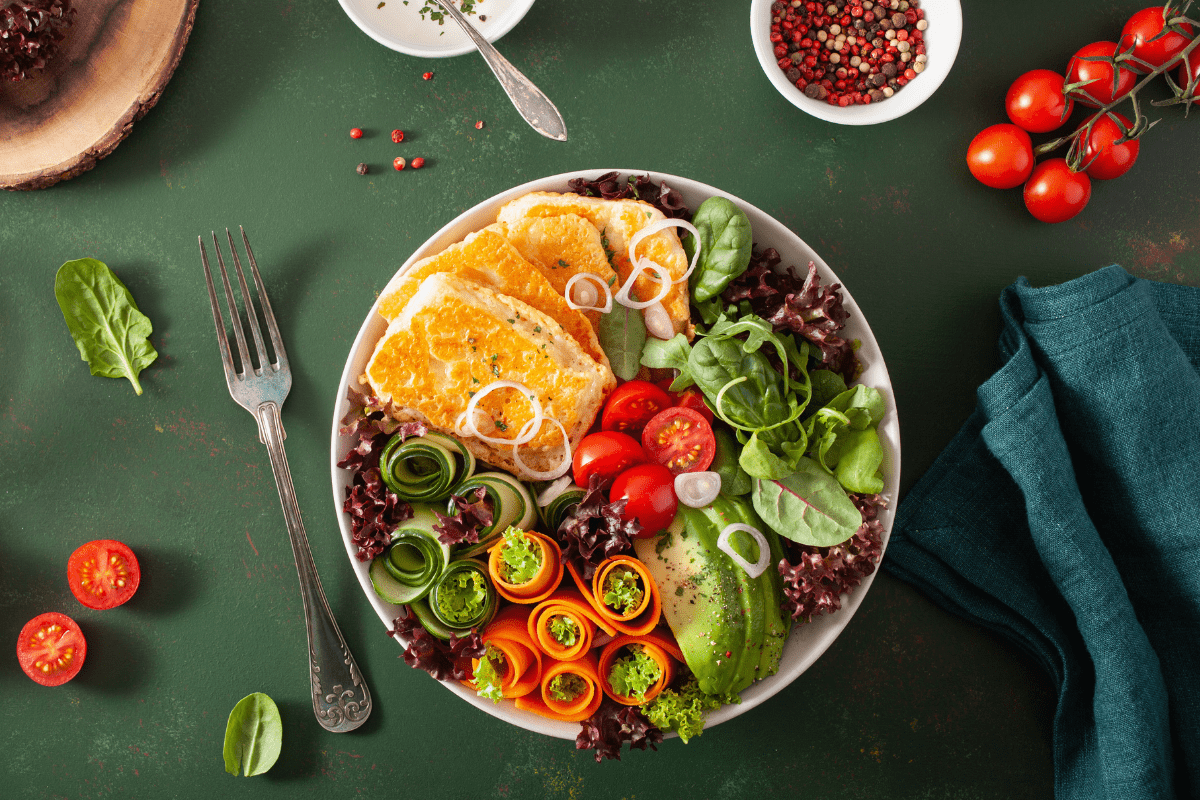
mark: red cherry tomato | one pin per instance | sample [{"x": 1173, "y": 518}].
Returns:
[
  {"x": 680, "y": 439},
  {"x": 1141, "y": 33},
  {"x": 1001, "y": 156},
  {"x": 103, "y": 574},
  {"x": 631, "y": 405},
  {"x": 694, "y": 399},
  {"x": 605, "y": 453},
  {"x": 51, "y": 649},
  {"x": 1104, "y": 159},
  {"x": 1054, "y": 193},
  {"x": 1101, "y": 88},
  {"x": 1189, "y": 71},
  {"x": 649, "y": 490},
  {"x": 1036, "y": 103}
]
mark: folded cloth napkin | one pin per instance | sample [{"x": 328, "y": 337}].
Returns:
[{"x": 1065, "y": 515}]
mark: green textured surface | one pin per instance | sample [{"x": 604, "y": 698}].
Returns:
[{"x": 908, "y": 703}]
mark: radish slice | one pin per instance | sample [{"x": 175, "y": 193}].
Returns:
[
  {"x": 465, "y": 424},
  {"x": 622, "y": 295},
  {"x": 764, "y": 549},
  {"x": 544, "y": 475},
  {"x": 587, "y": 295},
  {"x": 697, "y": 489},
  {"x": 658, "y": 322},
  {"x": 551, "y": 492},
  {"x": 654, "y": 228}
]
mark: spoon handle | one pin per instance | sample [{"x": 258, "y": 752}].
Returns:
[{"x": 529, "y": 101}]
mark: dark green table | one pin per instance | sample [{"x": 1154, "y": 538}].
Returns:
[{"x": 909, "y": 703}]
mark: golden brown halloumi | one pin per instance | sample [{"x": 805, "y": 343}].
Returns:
[
  {"x": 561, "y": 247},
  {"x": 617, "y": 221},
  {"x": 453, "y": 337},
  {"x": 486, "y": 258}
]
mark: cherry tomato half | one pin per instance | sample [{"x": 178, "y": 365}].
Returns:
[
  {"x": 649, "y": 492},
  {"x": 1054, "y": 193},
  {"x": 1102, "y": 88},
  {"x": 51, "y": 649},
  {"x": 605, "y": 453},
  {"x": 1001, "y": 156},
  {"x": 1190, "y": 71},
  {"x": 1035, "y": 102},
  {"x": 103, "y": 574},
  {"x": 680, "y": 439},
  {"x": 694, "y": 399},
  {"x": 1104, "y": 159},
  {"x": 631, "y": 405},
  {"x": 1141, "y": 33}
]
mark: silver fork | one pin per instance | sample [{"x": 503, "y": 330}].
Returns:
[{"x": 346, "y": 703}]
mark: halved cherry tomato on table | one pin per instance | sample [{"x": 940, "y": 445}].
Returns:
[
  {"x": 103, "y": 574},
  {"x": 1000, "y": 156},
  {"x": 1035, "y": 102},
  {"x": 1104, "y": 159},
  {"x": 51, "y": 649},
  {"x": 1092, "y": 64},
  {"x": 1144, "y": 32},
  {"x": 605, "y": 453},
  {"x": 631, "y": 405},
  {"x": 680, "y": 439},
  {"x": 649, "y": 492},
  {"x": 1054, "y": 193},
  {"x": 693, "y": 398}
]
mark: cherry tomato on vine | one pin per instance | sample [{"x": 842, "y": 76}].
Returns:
[
  {"x": 1104, "y": 159},
  {"x": 1091, "y": 64},
  {"x": 1001, "y": 156},
  {"x": 1054, "y": 193},
  {"x": 1141, "y": 33},
  {"x": 649, "y": 490},
  {"x": 1190, "y": 71},
  {"x": 631, "y": 405},
  {"x": 1035, "y": 102},
  {"x": 103, "y": 574},
  {"x": 605, "y": 454},
  {"x": 51, "y": 649},
  {"x": 680, "y": 439}
]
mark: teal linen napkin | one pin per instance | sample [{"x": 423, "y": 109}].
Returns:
[{"x": 1065, "y": 515}]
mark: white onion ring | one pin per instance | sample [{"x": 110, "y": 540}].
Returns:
[
  {"x": 608, "y": 298},
  {"x": 697, "y": 489},
  {"x": 544, "y": 475},
  {"x": 551, "y": 492},
  {"x": 764, "y": 549},
  {"x": 658, "y": 322},
  {"x": 465, "y": 424},
  {"x": 622, "y": 295},
  {"x": 662, "y": 225}
]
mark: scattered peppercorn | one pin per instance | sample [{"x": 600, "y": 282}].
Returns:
[
  {"x": 479, "y": 125},
  {"x": 356, "y": 133},
  {"x": 398, "y": 162},
  {"x": 428, "y": 76},
  {"x": 418, "y": 162},
  {"x": 362, "y": 169},
  {"x": 397, "y": 136}
]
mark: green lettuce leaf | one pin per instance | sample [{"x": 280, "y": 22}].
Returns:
[
  {"x": 633, "y": 674},
  {"x": 809, "y": 506}
]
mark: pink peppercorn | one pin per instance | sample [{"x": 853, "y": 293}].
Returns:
[
  {"x": 418, "y": 162},
  {"x": 397, "y": 136},
  {"x": 356, "y": 133}
]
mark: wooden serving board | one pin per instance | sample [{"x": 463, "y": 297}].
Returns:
[{"x": 109, "y": 71}]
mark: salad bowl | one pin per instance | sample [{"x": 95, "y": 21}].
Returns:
[{"x": 807, "y": 641}]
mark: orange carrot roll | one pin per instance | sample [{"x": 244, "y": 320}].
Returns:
[
  {"x": 624, "y": 647},
  {"x": 571, "y": 690},
  {"x": 570, "y": 609},
  {"x": 636, "y": 620},
  {"x": 521, "y": 671},
  {"x": 541, "y": 584}
]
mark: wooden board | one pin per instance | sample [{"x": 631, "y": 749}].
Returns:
[{"x": 110, "y": 70}]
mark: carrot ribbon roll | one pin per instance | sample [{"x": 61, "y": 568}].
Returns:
[
  {"x": 525, "y": 566},
  {"x": 564, "y": 624},
  {"x": 520, "y": 664},
  {"x": 635, "y": 669},
  {"x": 622, "y": 592},
  {"x": 571, "y": 690}
]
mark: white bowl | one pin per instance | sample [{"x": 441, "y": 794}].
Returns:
[
  {"x": 941, "y": 42},
  {"x": 401, "y": 28},
  {"x": 807, "y": 642}
]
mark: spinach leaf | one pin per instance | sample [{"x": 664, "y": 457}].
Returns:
[
  {"x": 670, "y": 354},
  {"x": 725, "y": 242},
  {"x": 253, "y": 736},
  {"x": 843, "y": 438},
  {"x": 622, "y": 335},
  {"x": 809, "y": 506},
  {"x": 734, "y": 479},
  {"x": 109, "y": 330}
]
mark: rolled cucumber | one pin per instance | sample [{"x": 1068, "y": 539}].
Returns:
[
  {"x": 512, "y": 504},
  {"x": 413, "y": 562},
  {"x": 425, "y": 468}
]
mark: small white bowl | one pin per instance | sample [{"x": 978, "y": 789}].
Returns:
[
  {"x": 400, "y": 27},
  {"x": 941, "y": 43}
]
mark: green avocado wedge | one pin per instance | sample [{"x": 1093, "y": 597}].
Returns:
[{"x": 728, "y": 625}]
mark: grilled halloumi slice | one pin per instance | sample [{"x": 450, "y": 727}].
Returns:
[
  {"x": 453, "y": 337},
  {"x": 617, "y": 221},
  {"x": 486, "y": 258}
]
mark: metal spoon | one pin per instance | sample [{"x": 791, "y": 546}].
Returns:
[{"x": 529, "y": 101}]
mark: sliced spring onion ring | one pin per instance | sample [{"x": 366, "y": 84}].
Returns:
[
  {"x": 547, "y": 495},
  {"x": 622, "y": 295},
  {"x": 557, "y": 500},
  {"x": 658, "y": 322},
  {"x": 465, "y": 424},
  {"x": 588, "y": 295},
  {"x": 654, "y": 228},
  {"x": 545, "y": 475},
  {"x": 764, "y": 549},
  {"x": 697, "y": 489}
]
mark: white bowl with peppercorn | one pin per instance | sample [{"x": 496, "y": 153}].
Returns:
[{"x": 856, "y": 62}]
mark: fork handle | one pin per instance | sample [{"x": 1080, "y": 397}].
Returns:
[{"x": 340, "y": 697}]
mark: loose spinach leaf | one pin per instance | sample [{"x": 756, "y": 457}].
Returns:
[
  {"x": 622, "y": 335},
  {"x": 253, "y": 736},
  {"x": 809, "y": 506},
  {"x": 725, "y": 242},
  {"x": 109, "y": 330}
]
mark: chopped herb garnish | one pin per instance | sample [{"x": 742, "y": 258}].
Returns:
[
  {"x": 537, "y": 328},
  {"x": 496, "y": 369},
  {"x": 562, "y": 263},
  {"x": 511, "y": 321},
  {"x": 501, "y": 425}
]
